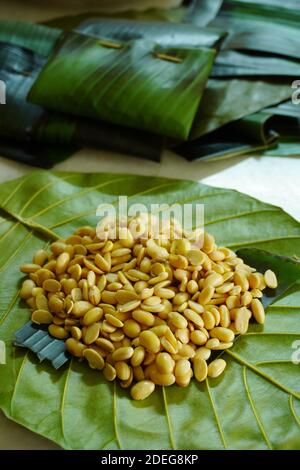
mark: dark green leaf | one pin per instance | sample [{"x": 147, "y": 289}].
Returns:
[
  {"x": 234, "y": 63},
  {"x": 254, "y": 133},
  {"x": 68, "y": 23},
  {"x": 165, "y": 34},
  {"x": 228, "y": 100},
  {"x": 38, "y": 131},
  {"x": 35, "y": 154},
  {"x": 254, "y": 25},
  {"x": 132, "y": 85},
  {"x": 287, "y": 270},
  {"x": 202, "y": 12},
  {"x": 287, "y": 147},
  {"x": 37, "y": 38},
  {"x": 255, "y": 405},
  {"x": 288, "y": 109}
]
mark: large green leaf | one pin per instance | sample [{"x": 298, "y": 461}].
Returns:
[{"x": 255, "y": 405}]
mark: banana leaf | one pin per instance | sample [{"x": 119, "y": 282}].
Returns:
[
  {"x": 265, "y": 26},
  {"x": 219, "y": 105},
  {"x": 227, "y": 100},
  {"x": 287, "y": 147},
  {"x": 36, "y": 38},
  {"x": 234, "y": 64},
  {"x": 71, "y": 22},
  {"x": 138, "y": 83},
  {"x": 254, "y": 405},
  {"x": 202, "y": 12},
  {"x": 46, "y": 137},
  {"x": 244, "y": 79},
  {"x": 273, "y": 131},
  {"x": 288, "y": 109},
  {"x": 254, "y": 133},
  {"x": 165, "y": 34}
]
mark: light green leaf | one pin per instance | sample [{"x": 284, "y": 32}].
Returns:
[{"x": 254, "y": 405}]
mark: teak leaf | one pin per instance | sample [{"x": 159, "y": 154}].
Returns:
[{"x": 254, "y": 405}]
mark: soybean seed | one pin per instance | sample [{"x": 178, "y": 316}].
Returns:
[
  {"x": 182, "y": 368},
  {"x": 122, "y": 354},
  {"x": 270, "y": 279},
  {"x": 57, "y": 331},
  {"x": 94, "y": 359},
  {"x": 165, "y": 380},
  {"x": 223, "y": 334},
  {"x": 258, "y": 311},
  {"x": 142, "y": 390},
  {"x": 51, "y": 285},
  {"x": 198, "y": 337},
  {"x": 109, "y": 372},
  {"x": 203, "y": 353},
  {"x": 164, "y": 363},
  {"x": 138, "y": 356},
  {"x": 92, "y": 316},
  {"x": 75, "y": 347},
  {"x": 216, "y": 368},
  {"x": 42, "y": 317},
  {"x": 91, "y": 333},
  {"x": 143, "y": 317},
  {"x": 150, "y": 341},
  {"x": 122, "y": 370},
  {"x": 200, "y": 369}
]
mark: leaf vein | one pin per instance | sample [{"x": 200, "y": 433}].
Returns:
[
  {"x": 257, "y": 417},
  {"x": 168, "y": 418},
  {"x": 261, "y": 373},
  {"x": 115, "y": 417},
  {"x": 217, "y": 418},
  {"x": 293, "y": 411}
]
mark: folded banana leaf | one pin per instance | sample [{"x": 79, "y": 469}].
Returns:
[
  {"x": 273, "y": 131},
  {"x": 261, "y": 49},
  {"x": 34, "y": 135},
  {"x": 165, "y": 34},
  {"x": 137, "y": 83},
  {"x": 37, "y": 38},
  {"x": 232, "y": 94},
  {"x": 227, "y": 100},
  {"x": 254, "y": 133}
]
